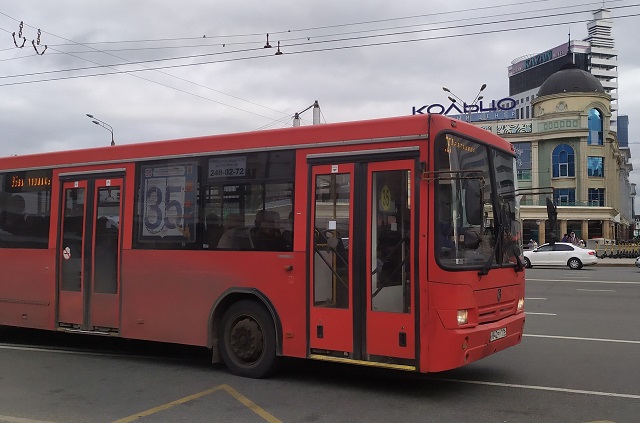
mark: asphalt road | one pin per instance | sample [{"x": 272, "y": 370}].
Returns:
[{"x": 579, "y": 362}]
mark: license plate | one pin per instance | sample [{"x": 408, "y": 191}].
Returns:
[{"x": 497, "y": 334}]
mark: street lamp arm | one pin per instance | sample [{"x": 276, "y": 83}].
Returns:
[
  {"x": 103, "y": 124},
  {"x": 447, "y": 90},
  {"x": 477, "y": 98},
  {"x": 101, "y": 121}
]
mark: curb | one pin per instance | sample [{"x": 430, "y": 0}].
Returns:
[{"x": 613, "y": 263}]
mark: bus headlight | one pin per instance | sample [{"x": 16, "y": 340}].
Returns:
[
  {"x": 520, "y": 304},
  {"x": 463, "y": 317}
]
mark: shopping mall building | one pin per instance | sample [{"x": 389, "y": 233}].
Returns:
[{"x": 567, "y": 137}]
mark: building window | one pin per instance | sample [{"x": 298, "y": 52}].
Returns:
[
  {"x": 596, "y": 197},
  {"x": 565, "y": 196},
  {"x": 595, "y": 127},
  {"x": 563, "y": 161},
  {"x": 595, "y": 229},
  {"x": 523, "y": 160},
  {"x": 595, "y": 167}
]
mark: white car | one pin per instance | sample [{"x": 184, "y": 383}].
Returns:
[
  {"x": 560, "y": 254},
  {"x": 638, "y": 262}
]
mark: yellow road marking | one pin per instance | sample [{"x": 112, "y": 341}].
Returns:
[
  {"x": 238, "y": 396},
  {"x": 251, "y": 405}
]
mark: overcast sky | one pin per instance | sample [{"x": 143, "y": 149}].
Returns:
[{"x": 206, "y": 70}]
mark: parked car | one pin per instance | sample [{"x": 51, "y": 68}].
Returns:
[
  {"x": 638, "y": 262},
  {"x": 560, "y": 254}
]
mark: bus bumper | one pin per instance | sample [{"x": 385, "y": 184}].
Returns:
[{"x": 457, "y": 347}]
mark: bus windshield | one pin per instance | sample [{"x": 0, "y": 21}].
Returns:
[{"x": 477, "y": 218}]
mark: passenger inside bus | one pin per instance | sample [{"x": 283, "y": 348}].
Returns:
[
  {"x": 287, "y": 233},
  {"x": 12, "y": 218},
  {"x": 266, "y": 234}
]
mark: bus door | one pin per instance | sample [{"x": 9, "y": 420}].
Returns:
[
  {"x": 89, "y": 255},
  {"x": 390, "y": 287},
  {"x": 331, "y": 291},
  {"x": 362, "y": 282}
]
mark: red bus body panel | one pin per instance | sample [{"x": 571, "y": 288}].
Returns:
[{"x": 170, "y": 295}]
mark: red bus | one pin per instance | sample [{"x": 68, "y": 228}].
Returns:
[{"x": 391, "y": 242}]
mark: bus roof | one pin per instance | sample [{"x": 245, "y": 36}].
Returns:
[{"x": 405, "y": 127}]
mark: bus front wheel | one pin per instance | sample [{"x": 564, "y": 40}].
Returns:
[{"x": 248, "y": 345}]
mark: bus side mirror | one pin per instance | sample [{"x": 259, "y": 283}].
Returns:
[
  {"x": 473, "y": 202},
  {"x": 472, "y": 240}
]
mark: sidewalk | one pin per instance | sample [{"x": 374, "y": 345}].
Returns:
[{"x": 616, "y": 262}]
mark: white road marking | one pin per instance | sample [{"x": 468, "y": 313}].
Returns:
[
  {"x": 534, "y": 298},
  {"x": 541, "y": 314},
  {"x": 597, "y": 290},
  {"x": 584, "y": 281},
  {"x": 545, "y": 388},
  {"x": 10, "y": 419},
  {"x": 55, "y": 350},
  {"x": 577, "y": 338}
]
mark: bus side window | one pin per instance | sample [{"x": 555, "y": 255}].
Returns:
[{"x": 213, "y": 230}]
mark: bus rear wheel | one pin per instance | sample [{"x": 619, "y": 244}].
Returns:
[{"x": 248, "y": 345}]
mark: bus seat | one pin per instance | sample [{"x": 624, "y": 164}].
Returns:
[
  {"x": 236, "y": 239},
  {"x": 233, "y": 220}
]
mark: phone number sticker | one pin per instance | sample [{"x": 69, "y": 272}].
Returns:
[{"x": 227, "y": 167}]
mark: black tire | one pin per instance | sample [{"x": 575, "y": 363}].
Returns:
[
  {"x": 527, "y": 263},
  {"x": 574, "y": 263},
  {"x": 248, "y": 340}
]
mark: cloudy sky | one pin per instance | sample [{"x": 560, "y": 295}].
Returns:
[{"x": 157, "y": 70}]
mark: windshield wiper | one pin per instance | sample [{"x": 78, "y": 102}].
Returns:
[{"x": 498, "y": 244}]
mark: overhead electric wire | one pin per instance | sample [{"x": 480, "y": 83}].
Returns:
[
  {"x": 458, "y": 11},
  {"x": 393, "y": 34},
  {"x": 93, "y": 50},
  {"x": 285, "y": 40},
  {"x": 349, "y": 39},
  {"x": 173, "y": 76},
  {"x": 312, "y": 50}
]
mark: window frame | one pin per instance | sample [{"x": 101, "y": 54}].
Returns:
[
  {"x": 563, "y": 157},
  {"x": 252, "y": 174}
]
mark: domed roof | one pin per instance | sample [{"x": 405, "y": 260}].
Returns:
[{"x": 570, "y": 79}]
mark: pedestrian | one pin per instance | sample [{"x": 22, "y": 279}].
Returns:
[
  {"x": 565, "y": 238},
  {"x": 572, "y": 238}
]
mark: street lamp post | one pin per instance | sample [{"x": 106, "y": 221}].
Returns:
[
  {"x": 105, "y": 125},
  {"x": 467, "y": 107}
]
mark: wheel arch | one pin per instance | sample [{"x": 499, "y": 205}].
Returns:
[{"x": 222, "y": 304}]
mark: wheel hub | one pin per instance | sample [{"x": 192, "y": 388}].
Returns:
[{"x": 246, "y": 340}]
